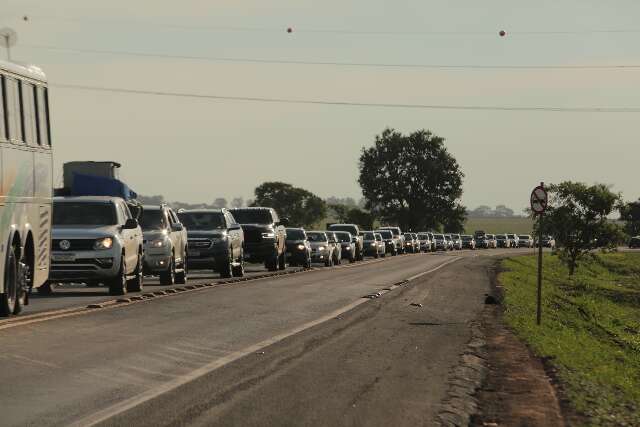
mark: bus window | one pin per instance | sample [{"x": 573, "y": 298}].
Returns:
[
  {"x": 13, "y": 109},
  {"x": 42, "y": 116},
  {"x": 29, "y": 113},
  {"x": 3, "y": 111}
]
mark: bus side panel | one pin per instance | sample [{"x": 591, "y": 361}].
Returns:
[{"x": 40, "y": 216}]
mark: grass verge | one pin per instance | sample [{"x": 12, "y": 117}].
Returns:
[{"x": 590, "y": 329}]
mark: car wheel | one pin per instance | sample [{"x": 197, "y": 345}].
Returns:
[
  {"x": 282, "y": 262},
  {"x": 307, "y": 262},
  {"x": 238, "y": 270},
  {"x": 271, "y": 264},
  {"x": 118, "y": 285},
  {"x": 181, "y": 276},
  {"x": 328, "y": 262},
  {"x": 45, "y": 289},
  {"x": 168, "y": 277},
  {"x": 226, "y": 268},
  {"x": 136, "y": 284}
]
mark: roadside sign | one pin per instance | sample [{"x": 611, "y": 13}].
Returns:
[{"x": 539, "y": 200}]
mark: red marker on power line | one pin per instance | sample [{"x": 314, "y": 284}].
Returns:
[
  {"x": 502, "y": 33},
  {"x": 289, "y": 30}
]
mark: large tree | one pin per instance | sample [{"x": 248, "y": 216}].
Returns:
[
  {"x": 300, "y": 206},
  {"x": 577, "y": 216},
  {"x": 412, "y": 180},
  {"x": 630, "y": 214}
]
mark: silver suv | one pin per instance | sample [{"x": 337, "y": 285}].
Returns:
[
  {"x": 165, "y": 245},
  {"x": 95, "y": 240}
]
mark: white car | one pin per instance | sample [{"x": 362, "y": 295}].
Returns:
[{"x": 95, "y": 239}]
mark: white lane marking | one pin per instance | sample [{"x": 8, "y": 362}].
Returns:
[{"x": 134, "y": 401}]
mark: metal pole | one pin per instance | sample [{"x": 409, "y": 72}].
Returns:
[
  {"x": 539, "y": 302},
  {"x": 6, "y": 39}
]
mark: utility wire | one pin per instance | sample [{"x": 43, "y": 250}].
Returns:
[
  {"x": 350, "y": 103},
  {"x": 328, "y": 30},
  {"x": 336, "y": 63}
]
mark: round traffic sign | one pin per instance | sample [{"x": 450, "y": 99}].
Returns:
[{"x": 539, "y": 200}]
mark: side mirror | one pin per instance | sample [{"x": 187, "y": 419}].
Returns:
[
  {"x": 177, "y": 227},
  {"x": 130, "y": 224},
  {"x": 284, "y": 222},
  {"x": 235, "y": 227}
]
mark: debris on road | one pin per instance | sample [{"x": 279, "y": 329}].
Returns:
[{"x": 416, "y": 304}]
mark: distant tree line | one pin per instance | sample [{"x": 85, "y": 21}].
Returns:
[
  {"x": 500, "y": 211},
  {"x": 218, "y": 203}
]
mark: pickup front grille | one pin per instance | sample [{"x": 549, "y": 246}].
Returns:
[
  {"x": 76, "y": 244},
  {"x": 199, "y": 243},
  {"x": 253, "y": 236}
]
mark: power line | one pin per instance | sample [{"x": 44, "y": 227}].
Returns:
[
  {"x": 332, "y": 30},
  {"x": 351, "y": 103},
  {"x": 336, "y": 63}
]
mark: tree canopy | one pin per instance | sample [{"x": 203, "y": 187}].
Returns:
[
  {"x": 301, "y": 207},
  {"x": 412, "y": 181},
  {"x": 577, "y": 216},
  {"x": 630, "y": 214}
]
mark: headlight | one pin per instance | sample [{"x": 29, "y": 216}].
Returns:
[
  {"x": 269, "y": 235},
  {"x": 321, "y": 248},
  {"x": 301, "y": 247},
  {"x": 373, "y": 244},
  {"x": 347, "y": 246},
  {"x": 104, "y": 243},
  {"x": 158, "y": 243}
]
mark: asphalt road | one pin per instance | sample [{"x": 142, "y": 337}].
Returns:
[{"x": 299, "y": 349}]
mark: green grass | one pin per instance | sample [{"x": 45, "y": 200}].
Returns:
[
  {"x": 590, "y": 329},
  {"x": 499, "y": 225}
]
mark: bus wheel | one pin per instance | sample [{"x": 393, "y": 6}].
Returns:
[{"x": 9, "y": 300}]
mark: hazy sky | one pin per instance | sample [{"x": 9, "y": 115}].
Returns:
[{"x": 197, "y": 149}]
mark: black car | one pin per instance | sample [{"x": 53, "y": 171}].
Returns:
[
  {"x": 634, "y": 242},
  {"x": 264, "y": 236},
  {"x": 214, "y": 241},
  {"x": 298, "y": 247}
]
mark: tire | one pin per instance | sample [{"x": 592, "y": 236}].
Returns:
[
  {"x": 238, "y": 270},
  {"x": 329, "y": 262},
  {"x": 282, "y": 262},
  {"x": 226, "y": 267},
  {"x": 45, "y": 289},
  {"x": 181, "y": 276},
  {"x": 10, "y": 300},
  {"x": 118, "y": 284},
  {"x": 271, "y": 264},
  {"x": 168, "y": 277},
  {"x": 136, "y": 284},
  {"x": 376, "y": 255}
]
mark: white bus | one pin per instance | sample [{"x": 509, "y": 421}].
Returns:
[{"x": 25, "y": 184}]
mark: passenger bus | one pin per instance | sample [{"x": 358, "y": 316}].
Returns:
[{"x": 25, "y": 184}]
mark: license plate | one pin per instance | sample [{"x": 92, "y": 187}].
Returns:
[
  {"x": 63, "y": 257},
  {"x": 194, "y": 253}
]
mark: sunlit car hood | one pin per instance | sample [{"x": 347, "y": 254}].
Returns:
[{"x": 83, "y": 232}]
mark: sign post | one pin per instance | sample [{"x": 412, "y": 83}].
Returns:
[{"x": 539, "y": 199}]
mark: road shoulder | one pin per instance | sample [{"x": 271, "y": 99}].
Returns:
[{"x": 517, "y": 389}]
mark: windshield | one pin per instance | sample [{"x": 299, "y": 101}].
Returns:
[
  {"x": 343, "y": 237},
  {"x": 72, "y": 213},
  {"x": 316, "y": 237},
  {"x": 348, "y": 228},
  {"x": 368, "y": 236},
  {"x": 524, "y": 237},
  {"x": 394, "y": 231},
  {"x": 423, "y": 236},
  {"x": 489, "y": 236},
  {"x": 152, "y": 219},
  {"x": 295, "y": 234},
  {"x": 386, "y": 234},
  {"x": 447, "y": 237},
  {"x": 252, "y": 216},
  {"x": 438, "y": 236},
  {"x": 202, "y": 220},
  {"x": 511, "y": 236},
  {"x": 465, "y": 238}
]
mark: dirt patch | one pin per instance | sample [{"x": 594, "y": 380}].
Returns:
[{"x": 517, "y": 390}]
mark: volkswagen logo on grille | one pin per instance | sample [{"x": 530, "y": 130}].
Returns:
[{"x": 65, "y": 245}]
